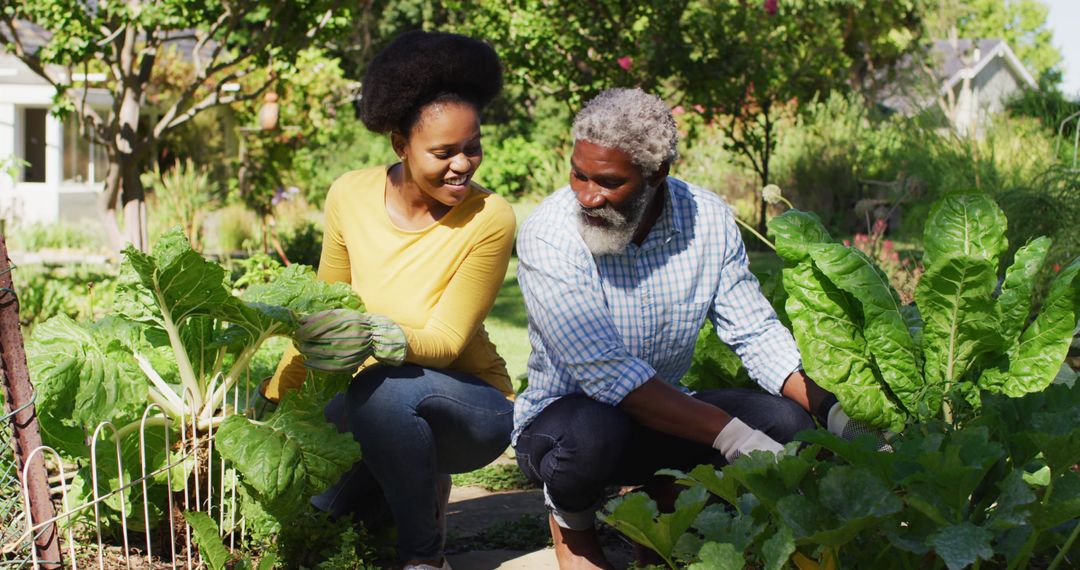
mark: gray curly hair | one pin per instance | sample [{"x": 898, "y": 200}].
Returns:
[{"x": 632, "y": 121}]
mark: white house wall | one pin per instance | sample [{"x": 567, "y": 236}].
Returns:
[{"x": 996, "y": 84}]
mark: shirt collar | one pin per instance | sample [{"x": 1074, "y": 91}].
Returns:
[{"x": 670, "y": 222}]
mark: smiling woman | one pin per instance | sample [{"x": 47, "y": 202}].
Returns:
[{"x": 426, "y": 249}]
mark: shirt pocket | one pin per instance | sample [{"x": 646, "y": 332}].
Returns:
[{"x": 684, "y": 320}]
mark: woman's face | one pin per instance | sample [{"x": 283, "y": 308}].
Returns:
[{"x": 442, "y": 151}]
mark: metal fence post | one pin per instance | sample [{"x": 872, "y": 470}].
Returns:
[{"x": 18, "y": 394}]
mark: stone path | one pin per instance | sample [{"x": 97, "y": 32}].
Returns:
[{"x": 474, "y": 510}]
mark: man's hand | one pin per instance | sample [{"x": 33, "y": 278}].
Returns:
[
  {"x": 839, "y": 424},
  {"x": 737, "y": 439},
  {"x": 340, "y": 340}
]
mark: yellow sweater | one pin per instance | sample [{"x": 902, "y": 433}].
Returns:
[{"x": 438, "y": 283}]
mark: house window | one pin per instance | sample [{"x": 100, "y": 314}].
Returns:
[
  {"x": 34, "y": 144},
  {"x": 84, "y": 161}
]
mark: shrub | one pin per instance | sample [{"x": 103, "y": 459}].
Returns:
[
  {"x": 182, "y": 197},
  {"x": 236, "y": 229},
  {"x": 86, "y": 236}
]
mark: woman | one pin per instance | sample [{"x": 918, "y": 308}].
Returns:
[{"x": 426, "y": 249}]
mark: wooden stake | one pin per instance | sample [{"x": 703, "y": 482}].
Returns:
[{"x": 19, "y": 394}]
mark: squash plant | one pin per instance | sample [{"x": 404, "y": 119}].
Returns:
[
  {"x": 1002, "y": 489},
  {"x": 180, "y": 339},
  {"x": 967, "y": 330}
]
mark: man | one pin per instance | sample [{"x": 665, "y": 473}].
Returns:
[{"x": 619, "y": 271}]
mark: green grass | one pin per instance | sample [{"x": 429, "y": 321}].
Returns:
[
  {"x": 507, "y": 324},
  {"x": 495, "y": 477}
]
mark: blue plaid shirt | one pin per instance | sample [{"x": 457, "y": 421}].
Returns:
[{"x": 605, "y": 325}]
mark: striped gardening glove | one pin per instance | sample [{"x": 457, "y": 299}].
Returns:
[
  {"x": 340, "y": 340},
  {"x": 839, "y": 424}
]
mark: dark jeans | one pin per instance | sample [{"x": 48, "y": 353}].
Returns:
[
  {"x": 577, "y": 446},
  {"x": 413, "y": 424}
]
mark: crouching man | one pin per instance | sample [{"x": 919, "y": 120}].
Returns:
[{"x": 619, "y": 271}]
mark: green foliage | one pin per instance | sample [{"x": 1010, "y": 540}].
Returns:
[
  {"x": 529, "y": 532},
  {"x": 953, "y": 495},
  {"x": 183, "y": 197},
  {"x": 82, "y": 292},
  {"x": 63, "y": 235},
  {"x": 495, "y": 477},
  {"x": 178, "y": 338},
  {"x": 886, "y": 361},
  {"x": 714, "y": 364},
  {"x": 516, "y": 165},
  {"x": 346, "y": 145}
]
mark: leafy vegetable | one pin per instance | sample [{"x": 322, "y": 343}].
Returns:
[
  {"x": 888, "y": 363},
  {"x": 181, "y": 340}
]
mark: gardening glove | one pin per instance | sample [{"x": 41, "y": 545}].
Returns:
[
  {"x": 340, "y": 340},
  {"x": 737, "y": 439},
  {"x": 839, "y": 424},
  {"x": 262, "y": 407}
]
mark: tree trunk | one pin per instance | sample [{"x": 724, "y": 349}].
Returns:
[
  {"x": 134, "y": 200},
  {"x": 123, "y": 188},
  {"x": 106, "y": 204}
]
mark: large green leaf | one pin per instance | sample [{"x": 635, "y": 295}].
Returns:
[
  {"x": 794, "y": 231},
  {"x": 960, "y": 324},
  {"x": 965, "y": 224},
  {"x": 1014, "y": 302},
  {"x": 884, "y": 327},
  {"x": 1034, "y": 360},
  {"x": 636, "y": 516},
  {"x": 205, "y": 533},
  {"x": 180, "y": 281},
  {"x": 80, "y": 381},
  {"x": 719, "y": 556},
  {"x": 962, "y": 544},
  {"x": 291, "y": 456},
  {"x": 714, "y": 364},
  {"x": 834, "y": 352},
  {"x": 849, "y": 500},
  {"x": 297, "y": 288}
]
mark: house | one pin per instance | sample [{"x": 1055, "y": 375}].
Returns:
[
  {"x": 57, "y": 172},
  {"x": 970, "y": 81}
]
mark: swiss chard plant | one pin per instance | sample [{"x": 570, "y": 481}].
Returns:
[
  {"x": 967, "y": 330},
  {"x": 179, "y": 339},
  {"x": 1001, "y": 490}
]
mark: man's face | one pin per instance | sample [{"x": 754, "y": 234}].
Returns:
[{"x": 612, "y": 195}]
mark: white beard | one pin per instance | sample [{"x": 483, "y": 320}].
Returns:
[{"x": 612, "y": 238}]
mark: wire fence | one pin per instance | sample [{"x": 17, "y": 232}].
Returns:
[
  {"x": 90, "y": 537},
  {"x": 14, "y": 547}
]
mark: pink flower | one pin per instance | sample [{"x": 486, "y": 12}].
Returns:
[
  {"x": 886, "y": 246},
  {"x": 879, "y": 226},
  {"x": 771, "y": 6},
  {"x": 699, "y": 108},
  {"x": 678, "y": 110},
  {"x": 1057, "y": 267},
  {"x": 847, "y": 243},
  {"x": 626, "y": 62}
]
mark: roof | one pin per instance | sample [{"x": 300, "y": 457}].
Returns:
[{"x": 954, "y": 63}]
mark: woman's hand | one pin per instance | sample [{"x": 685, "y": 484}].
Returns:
[{"x": 340, "y": 340}]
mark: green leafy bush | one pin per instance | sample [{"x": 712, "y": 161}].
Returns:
[
  {"x": 179, "y": 339},
  {"x": 182, "y": 196},
  {"x": 61, "y": 235},
  {"x": 517, "y": 165},
  {"x": 1002, "y": 490},
  {"x": 887, "y": 362}
]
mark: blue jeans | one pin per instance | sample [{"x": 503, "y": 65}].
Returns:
[
  {"x": 577, "y": 446},
  {"x": 413, "y": 425}
]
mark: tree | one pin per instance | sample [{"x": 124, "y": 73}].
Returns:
[
  {"x": 224, "y": 40},
  {"x": 1021, "y": 23},
  {"x": 740, "y": 63}
]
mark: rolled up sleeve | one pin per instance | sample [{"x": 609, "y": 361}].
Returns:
[{"x": 746, "y": 322}]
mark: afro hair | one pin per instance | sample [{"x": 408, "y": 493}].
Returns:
[{"x": 419, "y": 67}]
